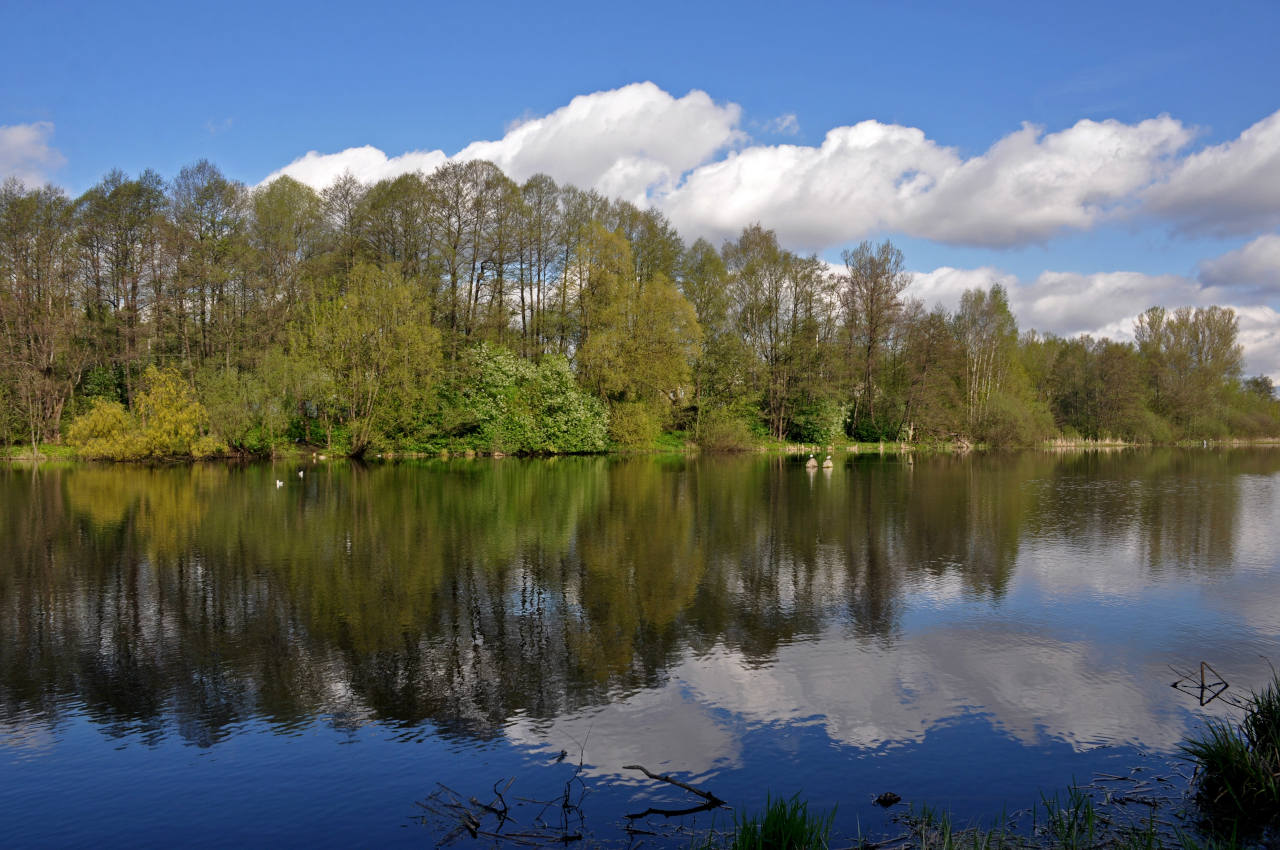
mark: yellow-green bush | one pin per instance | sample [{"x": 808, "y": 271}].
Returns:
[
  {"x": 169, "y": 422},
  {"x": 106, "y": 432},
  {"x": 721, "y": 431},
  {"x": 172, "y": 418},
  {"x": 634, "y": 424}
]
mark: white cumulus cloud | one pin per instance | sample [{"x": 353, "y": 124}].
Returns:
[
  {"x": 860, "y": 177},
  {"x": 26, "y": 152},
  {"x": 1028, "y": 187},
  {"x": 367, "y": 164},
  {"x": 1231, "y": 188},
  {"x": 1256, "y": 265},
  {"x": 690, "y": 157},
  {"x": 625, "y": 143},
  {"x": 1106, "y": 304}
]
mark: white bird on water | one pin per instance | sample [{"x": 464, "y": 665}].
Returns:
[
  {"x": 300, "y": 473},
  {"x": 279, "y": 483}
]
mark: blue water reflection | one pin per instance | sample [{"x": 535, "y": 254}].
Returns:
[{"x": 193, "y": 656}]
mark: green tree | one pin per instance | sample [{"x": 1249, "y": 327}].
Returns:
[
  {"x": 1191, "y": 359},
  {"x": 637, "y": 336},
  {"x": 43, "y": 349},
  {"x": 871, "y": 294},
  {"x": 119, "y": 230},
  {"x": 783, "y": 311},
  {"x": 376, "y": 354}
]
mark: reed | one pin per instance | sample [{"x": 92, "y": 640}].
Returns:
[
  {"x": 1238, "y": 767},
  {"x": 786, "y": 824}
]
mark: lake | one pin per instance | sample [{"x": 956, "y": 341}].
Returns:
[{"x": 222, "y": 654}]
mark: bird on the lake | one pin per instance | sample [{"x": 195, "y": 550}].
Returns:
[
  {"x": 812, "y": 463},
  {"x": 300, "y": 473},
  {"x": 279, "y": 483}
]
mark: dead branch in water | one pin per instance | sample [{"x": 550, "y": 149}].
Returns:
[{"x": 662, "y": 777}]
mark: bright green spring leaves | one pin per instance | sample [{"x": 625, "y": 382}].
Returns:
[
  {"x": 168, "y": 421},
  {"x": 515, "y": 405},
  {"x": 377, "y": 354}
]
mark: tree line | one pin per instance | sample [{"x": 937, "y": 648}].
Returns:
[{"x": 461, "y": 309}]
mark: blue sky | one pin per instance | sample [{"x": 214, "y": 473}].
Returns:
[{"x": 947, "y": 88}]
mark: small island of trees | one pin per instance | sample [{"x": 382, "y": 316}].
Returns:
[{"x": 462, "y": 310}]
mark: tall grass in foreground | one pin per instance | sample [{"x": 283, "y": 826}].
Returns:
[
  {"x": 1238, "y": 767},
  {"x": 785, "y": 825}
]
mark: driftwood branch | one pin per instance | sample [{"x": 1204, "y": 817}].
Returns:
[
  {"x": 662, "y": 777},
  {"x": 675, "y": 813}
]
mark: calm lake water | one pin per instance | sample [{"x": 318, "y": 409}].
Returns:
[{"x": 198, "y": 656}]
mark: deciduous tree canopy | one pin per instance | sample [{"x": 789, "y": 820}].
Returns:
[{"x": 460, "y": 309}]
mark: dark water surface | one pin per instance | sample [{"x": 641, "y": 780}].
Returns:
[{"x": 196, "y": 656}]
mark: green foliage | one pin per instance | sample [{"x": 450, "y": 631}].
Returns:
[
  {"x": 819, "y": 420},
  {"x": 10, "y": 420},
  {"x": 720, "y": 430},
  {"x": 168, "y": 421},
  {"x": 97, "y": 382},
  {"x": 634, "y": 424},
  {"x": 1192, "y": 360},
  {"x": 639, "y": 335},
  {"x": 569, "y": 419},
  {"x": 247, "y": 408},
  {"x": 106, "y": 432},
  {"x": 170, "y": 415},
  {"x": 500, "y": 402},
  {"x": 375, "y": 353},
  {"x": 1151, "y": 427},
  {"x": 1010, "y": 422}
]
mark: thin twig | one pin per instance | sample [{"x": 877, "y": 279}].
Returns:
[{"x": 662, "y": 777}]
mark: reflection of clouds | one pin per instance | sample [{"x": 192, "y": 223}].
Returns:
[
  {"x": 1261, "y": 611},
  {"x": 1033, "y": 687},
  {"x": 26, "y": 739},
  {"x": 1061, "y": 567},
  {"x": 1257, "y": 515},
  {"x": 665, "y": 729}
]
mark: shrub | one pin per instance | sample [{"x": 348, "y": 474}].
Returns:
[
  {"x": 818, "y": 421},
  {"x": 569, "y": 420},
  {"x": 170, "y": 422},
  {"x": 721, "y": 431},
  {"x": 1151, "y": 427},
  {"x": 106, "y": 432},
  {"x": 1013, "y": 422},
  {"x": 498, "y": 401},
  {"x": 172, "y": 417},
  {"x": 634, "y": 424}
]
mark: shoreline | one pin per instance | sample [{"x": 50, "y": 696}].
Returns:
[{"x": 64, "y": 454}]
